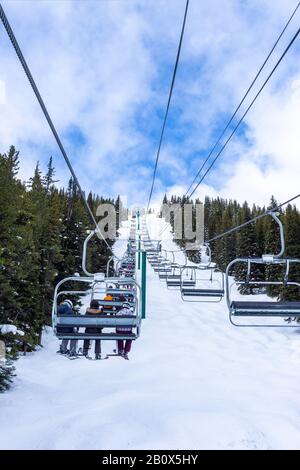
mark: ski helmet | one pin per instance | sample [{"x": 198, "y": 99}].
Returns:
[{"x": 126, "y": 305}]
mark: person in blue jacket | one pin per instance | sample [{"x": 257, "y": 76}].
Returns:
[{"x": 66, "y": 308}]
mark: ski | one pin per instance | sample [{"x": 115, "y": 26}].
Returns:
[
  {"x": 72, "y": 358},
  {"x": 62, "y": 353},
  {"x": 116, "y": 355},
  {"x": 94, "y": 359}
]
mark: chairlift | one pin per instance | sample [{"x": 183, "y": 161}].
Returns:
[
  {"x": 174, "y": 279},
  {"x": 157, "y": 261},
  {"x": 126, "y": 266},
  {"x": 109, "y": 322},
  {"x": 152, "y": 246},
  {"x": 204, "y": 289},
  {"x": 163, "y": 266},
  {"x": 259, "y": 310},
  {"x": 122, "y": 289}
]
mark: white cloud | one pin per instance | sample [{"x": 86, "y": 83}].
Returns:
[
  {"x": 2, "y": 92},
  {"x": 272, "y": 165},
  {"x": 104, "y": 67}
]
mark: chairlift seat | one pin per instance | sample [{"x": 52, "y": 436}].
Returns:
[
  {"x": 102, "y": 336},
  {"x": 265, "y": 309},
  {"x": 203, "y": 292},
  {"x": 114, "y": 303},
  {"x": 163, "y": 275},
  {"x": 177, "y": 283},
  {"x": 190, "y": 282},
  {"x": 174, "y": 276},
  {"x": 162, "y": 269}
]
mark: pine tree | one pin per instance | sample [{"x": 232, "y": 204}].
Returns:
[
  {"x": 6, "y": 374},
  {"x": 226, "y": 246},
  {"x": 48, "y": 180},
  {"x": 14, "y": 270},
  {"x": 292, "y": 240},
  {"x": 272, "y": 246}
]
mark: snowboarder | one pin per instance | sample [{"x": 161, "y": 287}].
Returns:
[
  {"x": 94, "y": 309},
  {"x": 124, "y": 349},
  {"x": 66, "y": 308}
]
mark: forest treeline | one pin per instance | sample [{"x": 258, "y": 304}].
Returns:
[
  {"x": 254, "y": 240},
  {"x": 42, "y": 229}
]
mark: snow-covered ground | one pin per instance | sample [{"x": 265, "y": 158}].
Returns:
[{"x": 193, "y": 381}]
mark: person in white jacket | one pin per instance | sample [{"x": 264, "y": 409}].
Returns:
[{"x": 124, "y": 347}]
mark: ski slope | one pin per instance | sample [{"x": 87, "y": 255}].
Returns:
[{"x": 193, "y": 382}]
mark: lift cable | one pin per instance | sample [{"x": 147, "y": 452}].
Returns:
[
  {"x": 26, "y": 69},
  {"x": 168, "y": 104},
  {"x": 248, "y": 109},
  {"x": 243, "y": 116},
  {"x": 246, "y": 112},
  {"x": 243, "y": 99}
]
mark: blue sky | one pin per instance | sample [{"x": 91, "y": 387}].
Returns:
[{"x": 104, "y": 69}]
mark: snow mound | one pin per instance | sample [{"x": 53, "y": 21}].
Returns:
[{"x": 5, "y": 329}]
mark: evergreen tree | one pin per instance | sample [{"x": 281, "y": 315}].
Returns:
[
  {"x": 292, "y": 240},
  {"x": 272, "y": 246},
  {"x": 42, "y": 230},
  {"x": 15, "y": 271}
]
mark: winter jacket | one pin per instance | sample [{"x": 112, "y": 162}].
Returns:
[
  {"x": 93, "y": 311},
  {"x": 65, "y": 309},
  {"x": 128, "y": 297},
  {"x": 110, "y": 298},
  {"x": 125, "y": 311},
  {"x": 92, "y": 329}
]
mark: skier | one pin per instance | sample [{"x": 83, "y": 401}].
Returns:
[
  {"x": 109, "y": 298},
  {"x": 66, "y": 308},
  {"x": 94, "y": 309},
  {"x": 124, "y": 349}
]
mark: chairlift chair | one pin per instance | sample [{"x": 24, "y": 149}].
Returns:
[
  {"x": 97, "y": 282},
  {"x": 162, "y": 266},
  {"x": 152, "y": 246},
  {"x": 209, "y": 289},
  {"x": 109, "y": 322},
  {"x": 259, "y": 310},
  {"x": 174, "y": 279}
]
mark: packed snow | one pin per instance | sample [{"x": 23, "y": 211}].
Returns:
[{"x": 193, "y": 382}]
